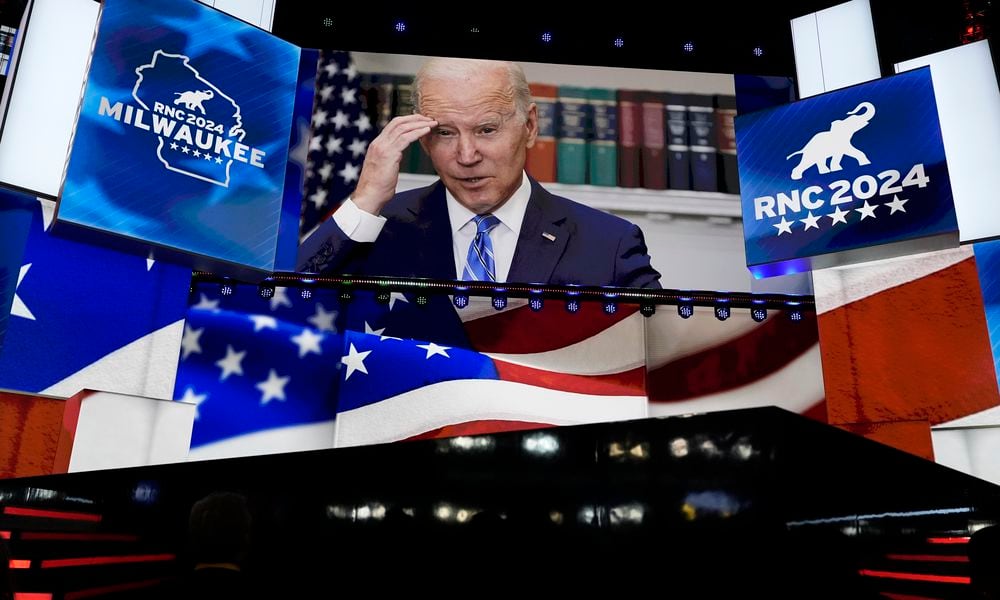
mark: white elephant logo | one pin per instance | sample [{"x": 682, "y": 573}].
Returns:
[
  {"x": 193, "y": 99},
  {"x": 834, "y": 144}
]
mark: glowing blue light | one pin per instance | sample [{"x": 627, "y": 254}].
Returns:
[
  {"x": 685, "y": 310},
  {"x": 619, "y": 42},
  {"x": 688, "y": 47},
  {"x": 400, "y": 26},
  {"x": 546, "y": 37}
]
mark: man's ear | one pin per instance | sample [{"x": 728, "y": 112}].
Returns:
[{"x": 532, "y": 124}]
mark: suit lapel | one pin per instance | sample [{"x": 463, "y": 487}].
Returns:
[
  {"x": 432, "y": 249},
  {"x": 542, "y": 239}
]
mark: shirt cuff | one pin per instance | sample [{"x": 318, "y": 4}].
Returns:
[{"x": 358, "y": 225}]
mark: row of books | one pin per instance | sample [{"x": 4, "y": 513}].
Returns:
[{"x": 604, "y": 137}]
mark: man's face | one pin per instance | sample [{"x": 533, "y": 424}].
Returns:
[{"x": 479, "y": 145}]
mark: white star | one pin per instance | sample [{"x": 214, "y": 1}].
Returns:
[
  {"x": 318, "y": 198},
  {"x": 205, "y": 304},
  {"x": 48, "y": 213},
  {"x": 263, "y": 322},
  {"x": 208, "y": 157},
  {"x": 218, "y": 160},
  {"x": 867, "y": 210},
  {"x": 784, "y": 226},
  {"x": 316, "y": 143},
  {"x": 331, "y": 68},
  {"x": 307, "y": 341},
  {"x": 839, "y": 216},
  {"x": 173, "y": 145},
  {"x": 349, "y": 173},
  {"x": 325, "y": 91},
  {"x": 190, "y": 343},
  {"x": 363, "y": 123},
  {"x": 325, "y": 171},
  {"x": 355, "y": 361},
  {"x": 333, "y": 145},
  {"x": 319, "y": 118},
  {"x": 186, "y": 150},
  {"x": 231, "y": 363},
  {"x": 810, "y": 221},
  {"x": 280, "y": 298},
  {"x": 323, "y": 320},
  {"x": 273, "y": 388},
  {"x": 340, "y": 120},
  {"x": 896, "y": 205},
  {"x": 433, "y": 349},
  {"x": 300, "y": 153},
  {"x": 378, "y": 332},
  {"x": 393, "y": 296},
  {"x": 351, "y": 72},
  {"x": 347, "y": 95},
  {"x": 197, "y": 153},
  {"x": 190, "y": 397},
  {"x": 18, "y": 309},
  {"x": 357, "y": 147}
]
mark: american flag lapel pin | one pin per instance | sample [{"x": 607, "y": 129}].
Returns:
[{"x": 548, "y": 236}]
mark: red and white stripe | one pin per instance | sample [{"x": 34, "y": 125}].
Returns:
[
  {"x": 556, "y": 368},
  {"x": 701, "y": 364},
  {"x": 905, "y": 340}
]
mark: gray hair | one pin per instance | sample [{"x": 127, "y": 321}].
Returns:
[{"x": 455, "y": 68}]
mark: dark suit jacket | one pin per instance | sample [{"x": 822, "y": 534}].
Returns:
[{"x": 583, "y": 246}]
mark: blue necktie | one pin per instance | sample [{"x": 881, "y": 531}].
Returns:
[{"x": 480, "y": 264}]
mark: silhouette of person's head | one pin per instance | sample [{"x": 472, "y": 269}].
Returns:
[{"x": 219, "y": 528}]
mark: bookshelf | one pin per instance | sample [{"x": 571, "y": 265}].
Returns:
[{"x": 634, "y": 200}]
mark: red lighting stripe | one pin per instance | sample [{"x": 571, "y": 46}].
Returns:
[
  {"x": 110, "y": 589},
  {"x": 928, "y": 557},
  {"x": 894, "y": 596},
  {"x": 32, "y": 596},
  {"x": 4, "y": 535},
  {"x": 50, "y": 514},
  {"x": 948, "y": 540},
  {"x": 55, "y": 563},
  {"x": 914, "y": 576},
  {"x": 82, "y": 537},
  {"x": 19, "y": 563}
]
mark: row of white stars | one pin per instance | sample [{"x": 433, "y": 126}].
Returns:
[
  {"x": 197, "y": 153},
  {"x": 332, "y": 146},
  {"x": 355, "y": 361},
  {"x": 273, "y": 388},
  {"x": 341, "y": 119},
  {"x": 840, "y": 216},
  {"x": 308, "y": 342},
  {"x": 349, "y": 173},
  {"x": 332, "y": 68}
]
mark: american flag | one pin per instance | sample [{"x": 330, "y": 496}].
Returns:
[
  {"x": 515, "y": 369},
  {"x": 84, "y": 316},
  {"x": 293, "y": 373},
  {"x": 340, "y": 133},
  {"x": 288, "y": 373},
  {"x": 262, "y": 371}
]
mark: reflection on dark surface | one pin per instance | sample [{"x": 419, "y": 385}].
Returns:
[{"x": 754, "y": 502}]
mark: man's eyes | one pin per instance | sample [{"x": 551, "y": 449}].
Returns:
[{"x": 488, "y": 130}]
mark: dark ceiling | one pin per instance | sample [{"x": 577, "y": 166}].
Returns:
[{"x": 724, "y": 37}]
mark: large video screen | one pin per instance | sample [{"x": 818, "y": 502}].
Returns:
[{"x": 461, "y": 169}]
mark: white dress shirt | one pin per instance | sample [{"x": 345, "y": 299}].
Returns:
[{"x": 362, "y": 226}]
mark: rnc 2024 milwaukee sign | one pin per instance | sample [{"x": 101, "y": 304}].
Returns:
[
  {"x": 852, "y": 175},
  {"x": 183, "y": 133}
]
